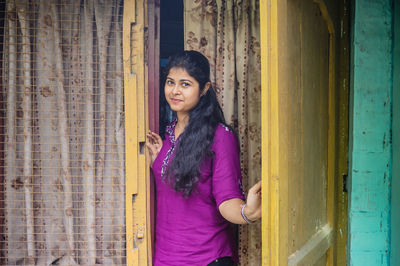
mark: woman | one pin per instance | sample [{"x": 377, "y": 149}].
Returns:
[{"x": 197, "y": 173}]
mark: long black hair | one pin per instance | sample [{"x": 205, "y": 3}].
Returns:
[{"x": 195, "y": 142}]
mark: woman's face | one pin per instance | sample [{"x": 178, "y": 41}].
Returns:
[{"x": 181, "y": 91}]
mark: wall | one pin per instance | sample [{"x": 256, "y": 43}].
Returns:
[
  {"x": 395, "y": 221},
  {"x": 370, "y": 133}
]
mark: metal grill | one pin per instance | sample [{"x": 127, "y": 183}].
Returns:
[{"x": 62, "y": 171}]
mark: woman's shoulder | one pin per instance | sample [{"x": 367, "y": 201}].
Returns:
[
  {"x": 224, "y": 135},
  {"x": 222, "y": 127}
]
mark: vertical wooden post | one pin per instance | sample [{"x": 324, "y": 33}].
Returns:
[
  {"x": 154, "y": 63},
  {"x": 136, "y": 124},
  {"x": 271, "y": 53},
  {"x": 342, "y": 133},
  {"x": 153, "y": 56}
]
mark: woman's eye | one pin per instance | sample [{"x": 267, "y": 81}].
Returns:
[
  {"x": 185, "y": 84},
  {"x": 170, "y": 82}
]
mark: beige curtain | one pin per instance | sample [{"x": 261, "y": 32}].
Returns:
[
  {"x": 228, "y": 33},
  {"x": 63, "y": 197}
]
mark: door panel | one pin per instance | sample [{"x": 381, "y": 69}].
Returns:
[
  {"x": 299, "y": 140},
  {"x": 308, "y": 116}
]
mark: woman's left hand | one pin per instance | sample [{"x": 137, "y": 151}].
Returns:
[
  {"x": 154, "y": 144},
  {"x": 253, "y": 203}
]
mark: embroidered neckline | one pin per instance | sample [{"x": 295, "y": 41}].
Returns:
[{"x": 170, "y": 129}]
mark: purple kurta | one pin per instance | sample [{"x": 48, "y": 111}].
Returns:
[{"x": 191, "y": 231}]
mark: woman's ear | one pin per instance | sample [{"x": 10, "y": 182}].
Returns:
[{"x": 206, "y": 87}]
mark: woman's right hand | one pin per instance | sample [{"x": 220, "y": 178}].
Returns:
[{"x": 154, "y": 144}]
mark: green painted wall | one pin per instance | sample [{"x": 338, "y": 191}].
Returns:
[
  {"x": 370, "y": 133},
  {"x": 395, "y": 221}
]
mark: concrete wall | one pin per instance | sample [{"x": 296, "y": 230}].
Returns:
[
  {"x": 395, "y": 221},
  {"x": 370, "y": 133}
]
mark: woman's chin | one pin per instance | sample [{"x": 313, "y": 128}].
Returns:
[{"x": 174, "y": 108}]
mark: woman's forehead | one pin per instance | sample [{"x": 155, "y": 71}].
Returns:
[{"x": 179, "y": 73}]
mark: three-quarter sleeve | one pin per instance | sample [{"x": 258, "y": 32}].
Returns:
[{"x": 226, "y": 175}]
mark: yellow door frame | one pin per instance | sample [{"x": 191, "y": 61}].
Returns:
[
  {"x": 138, "y": 233},
  {"x": 271, "y": 37}
]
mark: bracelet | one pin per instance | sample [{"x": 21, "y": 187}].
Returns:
[{"x": 244, "y": 216}]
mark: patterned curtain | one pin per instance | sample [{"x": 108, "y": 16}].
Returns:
[
  {"x": 228, "y": 33},
  {"x": 62, "y": 134}
]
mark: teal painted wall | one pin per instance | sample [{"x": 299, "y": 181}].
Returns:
[
  {"x": 395, "y": 221},
  {"x": 370, "y": 133}
]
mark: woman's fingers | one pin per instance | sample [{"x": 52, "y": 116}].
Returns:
[
  {"x": 256, "y": 189},
  {"x": 151, "y": 138},
  {"x": 154, "y": 138}
]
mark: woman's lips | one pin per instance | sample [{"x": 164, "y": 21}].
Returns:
[{"x": 175, "y": 100}]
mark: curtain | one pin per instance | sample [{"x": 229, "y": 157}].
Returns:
[
  {"x": 63, "y": 192},
  {"x": 228, "y": 34}
]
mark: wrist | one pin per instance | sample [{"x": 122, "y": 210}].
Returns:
[
  {"x": 247, "y": 214},
  {"x": 250, "y": 214}
]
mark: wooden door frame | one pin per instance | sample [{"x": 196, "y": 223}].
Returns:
[
  {"x": 272, "y": 33},
  {"x": 138, "y": 233},
  {"x": 273, "y": 16},
  {"x": 275, "y": 186},
  {"x": 153, "y": 55},
  {"x": 342, "y": 146}
]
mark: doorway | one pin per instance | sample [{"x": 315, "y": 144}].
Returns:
[
  {"x": 171, "y": 42},
  {"x": 235, "y": 76}
]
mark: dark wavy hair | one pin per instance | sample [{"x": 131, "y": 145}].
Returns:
[{"x": 195, "y": 142}]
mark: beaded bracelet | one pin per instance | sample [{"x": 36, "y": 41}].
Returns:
[{"x": 244, "y": 216}]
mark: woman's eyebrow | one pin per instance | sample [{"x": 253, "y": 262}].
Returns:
[
  {"x": 185, "y": 80},
  {"x": 181, "y": 80}
]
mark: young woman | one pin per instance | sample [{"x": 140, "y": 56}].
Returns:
[{"x": 197, "y": 172}]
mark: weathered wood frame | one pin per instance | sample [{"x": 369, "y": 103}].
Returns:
[
  {"x": 138, "y": 222},
  {"x": 274, "y": 39}
]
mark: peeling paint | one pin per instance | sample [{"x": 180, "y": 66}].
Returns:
[{"x": 370, "y": 157}]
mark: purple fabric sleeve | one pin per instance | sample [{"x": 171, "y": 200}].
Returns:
[{"x": 226, "y": 177}]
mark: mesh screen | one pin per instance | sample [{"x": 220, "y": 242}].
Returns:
[{"x": 62, "y": 175}]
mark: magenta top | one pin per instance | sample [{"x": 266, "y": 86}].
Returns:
[{"x": 191, "y": 230}]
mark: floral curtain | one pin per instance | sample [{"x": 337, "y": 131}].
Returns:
[
  {"x": 63, "y": 192},
  {"x": 228, "y": 33}
]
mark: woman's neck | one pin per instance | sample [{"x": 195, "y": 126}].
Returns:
[{"x": 183, "y": 120}]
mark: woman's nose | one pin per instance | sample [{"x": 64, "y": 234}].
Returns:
[{"x": 176, "y": 90}]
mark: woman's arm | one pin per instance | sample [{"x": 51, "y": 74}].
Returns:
[{"x": 231, "y": 209}]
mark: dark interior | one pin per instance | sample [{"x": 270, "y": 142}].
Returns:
[{"x": 171, "y": 42}]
